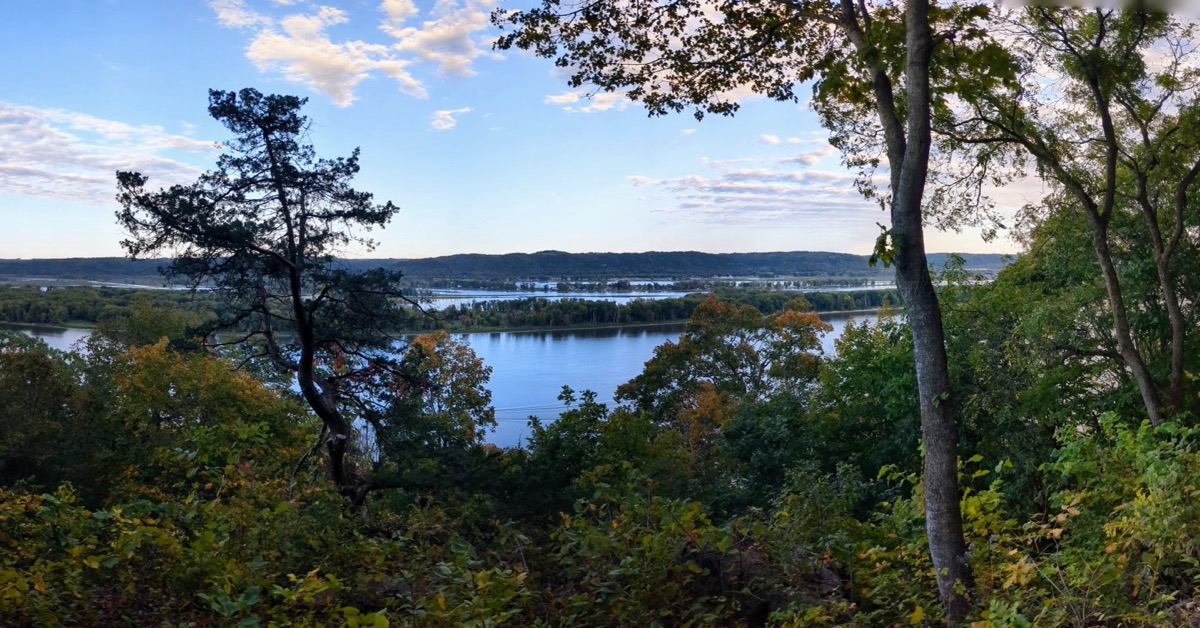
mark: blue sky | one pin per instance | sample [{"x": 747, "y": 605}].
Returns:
[{"x": 484, "y": 153}]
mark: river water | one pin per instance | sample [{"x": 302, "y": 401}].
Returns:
[{"x": 529, "y": 368}]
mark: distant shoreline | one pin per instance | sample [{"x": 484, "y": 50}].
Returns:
[{"x": 835, "y": 314}]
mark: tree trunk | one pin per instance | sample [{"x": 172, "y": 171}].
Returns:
[
  {"x": 1125, "y": 347},
  {"x": 943, "y": 518},
  {"x": 939, "y": 433},
  {"x": 907, "y": 140},
  {"x": 1163, "y": 252}
]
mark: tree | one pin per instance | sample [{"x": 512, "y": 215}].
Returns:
[
  {"x": 37, "y": 403},
  {"x": 437, "y": 412},
  {"x": 446, "y": 384},
  {"x": 1116, "y": 134},
  {"x": 727, "y": 352},
  {"x": 261, "y": 231},
  {"x": 875, "y": 90}
]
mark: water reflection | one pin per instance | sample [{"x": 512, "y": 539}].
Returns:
[{"x": 61, "y": 338}]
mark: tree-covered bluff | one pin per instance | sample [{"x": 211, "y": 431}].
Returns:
[{"x": 519, "y": 267}]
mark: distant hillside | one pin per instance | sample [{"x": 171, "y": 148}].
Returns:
[
  {"x": 654, "y": 265},
  {"x": 105, "y": 269},
  {"x": 544, "y": 265}
]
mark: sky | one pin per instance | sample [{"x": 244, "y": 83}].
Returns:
[{"x": 483, "y": 152}]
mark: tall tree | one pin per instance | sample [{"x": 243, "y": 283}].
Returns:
[
  {"x": 1115, "y": 131},
  {"x": 875, "y": 90},
  {"x": 261, "y": 231}
]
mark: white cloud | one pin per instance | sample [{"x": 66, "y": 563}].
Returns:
[
  {"x": 306, "y": 55},
  {"x": 768, "y": 196},
  {"x": 397, "y": 11},
  {"x": 688, "y": 132},
  {"x": 301, "y": 47},
  {"x": 602, "y": 101},
  {"x": 447, "y": 39},
  {"x": 444, "y": 120},
  {"x": 64, "y": 154},
  {"x": 234, "y": 14},
  {"x": 563, "y": 99},
  {"x": 810, "y": 158},
  {"x": 769, "y": 139},
  {"x": 607, "y": 100}
]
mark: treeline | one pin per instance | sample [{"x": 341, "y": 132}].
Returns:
[
  {"x": 80, "y": 305},
  {"x": 468, "y": 270},
  {"x": 77, "y": 305},
  {"x": 538, "y": 312},
  {"x": 548, "y": 265},
  {"x": 110, "y": 269}
]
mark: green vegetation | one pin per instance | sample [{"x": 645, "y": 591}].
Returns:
[
  {"x": 743, "y": 478},
  {"x": 90, "y": 307},
  {"x": 739, "y": 482}
]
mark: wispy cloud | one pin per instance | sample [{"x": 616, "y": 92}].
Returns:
[
  {"x": 563, "y": 99},
  {"x": 301, "y": 47},
  {"x": 769, "y": 195},
  {"x": 775, "y": 140},
  {"x": 601, "y": 101},
  {"x": 444, "y": 120},
  {"x": 69, "y": 155},
  {"x": 235, "y": 14},
  {"x": 809, "y": 158}
]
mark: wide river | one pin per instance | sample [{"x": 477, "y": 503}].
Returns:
[{"x": 529, "y": 368}]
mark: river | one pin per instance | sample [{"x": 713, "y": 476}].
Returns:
[
  {"x": 529, "y": 368},
  {"x": 444, "y": 297}
]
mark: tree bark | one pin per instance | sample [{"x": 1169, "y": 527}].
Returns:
[
  {"x": 908, "y": 145},
  {"x": 1125, "y": 347},
  {"x": 943, "y": 518}
]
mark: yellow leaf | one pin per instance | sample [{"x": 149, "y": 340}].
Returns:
[{"x": 917, "y": 616}]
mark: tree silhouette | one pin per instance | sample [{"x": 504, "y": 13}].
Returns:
[{"x": 261, "y": 231}]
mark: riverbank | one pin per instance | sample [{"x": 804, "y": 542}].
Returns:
[{"x": 836, "y": 314}]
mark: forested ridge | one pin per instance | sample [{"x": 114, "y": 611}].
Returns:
[
  {"x": 515, "y": 267},
  {"x": 1016, "y": 449}
]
